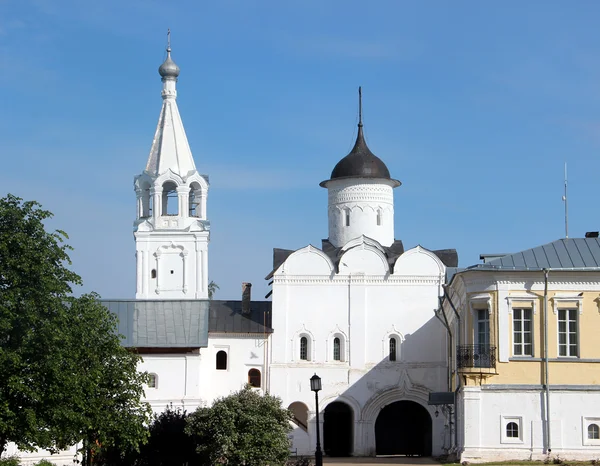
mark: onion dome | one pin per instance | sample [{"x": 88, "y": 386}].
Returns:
[
  {"x": 360, "y": 162},
  {"x": 168, "y": 69}
]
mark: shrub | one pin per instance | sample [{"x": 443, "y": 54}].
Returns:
[
  {"x": 10, "y": 461},
  {"x": 45, "y": 463}
]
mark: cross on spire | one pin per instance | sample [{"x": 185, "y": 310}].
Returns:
[{"x": 168, "y": 40}]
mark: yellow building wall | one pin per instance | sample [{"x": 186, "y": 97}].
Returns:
[{"x": 565, "y": 371}]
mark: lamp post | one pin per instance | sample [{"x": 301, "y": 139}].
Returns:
[{"x": 315, "y": 386}]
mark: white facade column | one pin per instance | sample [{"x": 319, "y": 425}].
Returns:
[
  {"x": 158, "y": 273},
  {"x": 139, "y": 259},
  {"x": 156, "y": 194},
  {"x": 204, "y": 275},
  {"x": 183, "y": 198},
  {"x": 198, "y": 269},
  {"x": 202, "y": 205},
  {"x": 472, "y": 425},
  {"x": 145, "y": 273},
  {"x": 503, "y": 323},
  {"x": 357, "y": 309},
  {"x": 184, "y": 255}
]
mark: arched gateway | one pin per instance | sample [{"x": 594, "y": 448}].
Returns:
[
  {"x": 338, "y": 420},
  {"x": 403, "y": 428}
]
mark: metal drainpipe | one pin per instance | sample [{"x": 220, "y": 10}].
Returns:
[
  {"x": 546, "y": 377},
  {"x": 447, "y": 325},
  {"x": 458, "y": 341}
]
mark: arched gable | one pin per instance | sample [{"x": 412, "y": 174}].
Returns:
[
  {"x": 349, "y": 400},
  {"x": 419, "y": 261},
  {"x": 307, "y": 261},
  {"x": 365, "y": 257},
  {"x": 196, "y": 178},
  {"x": 169, "y": 175}
]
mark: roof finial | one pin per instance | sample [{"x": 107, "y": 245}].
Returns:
[
  {"x": 360, "y": 106},
  {"x": 169, "y": 69}
]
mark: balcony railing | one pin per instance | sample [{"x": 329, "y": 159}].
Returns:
[{"x": 476, "y": 356}]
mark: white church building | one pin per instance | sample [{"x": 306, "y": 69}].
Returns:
[{"x": 358, "y": 310}]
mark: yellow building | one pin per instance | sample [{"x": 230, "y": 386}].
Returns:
[{"x": 524, "y": 353}]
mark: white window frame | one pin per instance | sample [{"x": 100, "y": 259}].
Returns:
[
  {"x": 504, "y": 421},
  {"x": 309, "y": 347},
  {"x": 385, "y": 347},
  {"x": 217, "y": 349},
  {"x": 577, "y": 332},
  {"x": 523, "y": 310},
  {"x": 585, "y": 422},
  {"x": 153, "y": 374}
]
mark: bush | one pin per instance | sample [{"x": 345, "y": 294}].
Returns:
[
  {"x": 168, "y": 443},
  {"x": 242, "y": 428},
  {"x": 44, "y": 463},
  {"x": 10, "y": 461}
]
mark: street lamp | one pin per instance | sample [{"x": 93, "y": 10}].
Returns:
[{"x": 315, "y": 386}]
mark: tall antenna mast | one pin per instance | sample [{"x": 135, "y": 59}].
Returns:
[{"x": 566, "y": 201}]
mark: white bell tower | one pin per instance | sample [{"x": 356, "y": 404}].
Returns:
[{"x": 171, "y": 229}]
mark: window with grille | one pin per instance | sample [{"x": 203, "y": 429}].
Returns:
[
  {"x": 221, "y": 360},
  {"x": 254, "y": 378},
  {"x": 512, "y": 430},
  {"x": 593, "y": 432},
  {"x": 567, "y": 332},
  {"x": 152, "y": 381},
  {"x": 522, "y": 333},
  {"x": 304, "y": 348},
  {"x": 393, "y": 348},
  {"x": 337, "y": 349}
]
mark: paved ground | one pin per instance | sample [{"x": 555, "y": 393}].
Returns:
[{"x": 381, "y": 461}]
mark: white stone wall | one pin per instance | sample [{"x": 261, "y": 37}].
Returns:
[
  {"x": 179, "y": 261},
  {"x": 363, "y": 305},
  {"x": 486, "y": 413},
  {"x": 244, "y": 352},
  {"x": 362, "y": 200},
  {"x": 191, "y": 380}
]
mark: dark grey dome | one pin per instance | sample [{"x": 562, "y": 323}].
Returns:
[
  {"x": 360, "y": 163},
  {"x": 168, "y": 69}
]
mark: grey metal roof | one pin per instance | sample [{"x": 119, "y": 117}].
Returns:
[
  {"x": 162, "y": 323},
  {"x": 227, "y": 317},
  {"x": 571, "y": 253}
]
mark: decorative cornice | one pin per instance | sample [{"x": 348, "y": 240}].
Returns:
[
  {"x": 533, "y": 299},
  {"x": 344, "y": 280},
  {"x": 558, "y": 299},
  {"x": 476, "y": 302}
]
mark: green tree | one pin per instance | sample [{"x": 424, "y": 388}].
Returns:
[
  {"x": 64, "y": 376},
  {"x": 212, "y": 289},
  {"x": 244, "y": 428}
]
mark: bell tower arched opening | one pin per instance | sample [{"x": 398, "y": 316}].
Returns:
[
  {"x": 170, "y": 201},
  {"x": 403, "y": 428},
  {"x": 196, "y": 207}
]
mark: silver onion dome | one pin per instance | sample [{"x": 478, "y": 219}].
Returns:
[{"x": 168, "y": 69}]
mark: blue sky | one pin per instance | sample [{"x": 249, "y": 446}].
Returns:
[{"x": 474, "y": 106}]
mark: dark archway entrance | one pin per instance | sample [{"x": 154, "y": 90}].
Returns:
[
  {"x": 337, "y": 429},
  {"x": 403, "y": 428}
]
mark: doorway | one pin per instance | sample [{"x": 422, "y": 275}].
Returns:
[
  {"x": 403, "y": 428},
  {"x": 337, "y": 429}
]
